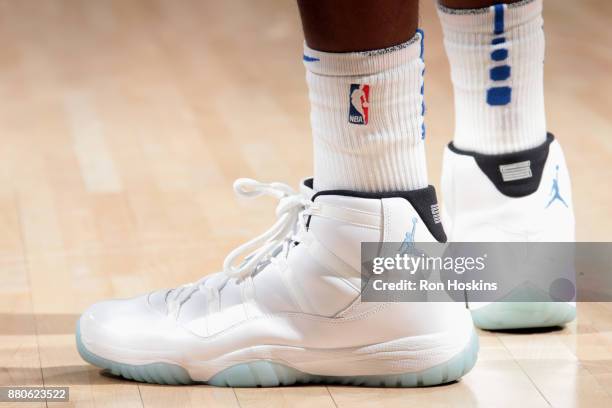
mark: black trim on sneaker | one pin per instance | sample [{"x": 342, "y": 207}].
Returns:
[
  {"x": 423, "y": 200},
  {"x": 309, "y": 183},
  {"x": 515, "y": 174}
]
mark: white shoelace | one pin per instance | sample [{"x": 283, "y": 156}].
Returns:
[{"x": 278, "y": 239}]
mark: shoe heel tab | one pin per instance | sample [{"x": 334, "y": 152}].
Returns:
[
  {"x": 516, "y": 174},
  {"x": 423, "y": 200},
  {"x": 425, "y": 203}
]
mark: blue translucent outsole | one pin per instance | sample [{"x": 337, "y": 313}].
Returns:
[
  {"x": 265, "y": 373},
  {"x": 523, "y": 315}
]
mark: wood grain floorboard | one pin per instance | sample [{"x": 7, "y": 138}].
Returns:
[{"x": 123, "y": 125}]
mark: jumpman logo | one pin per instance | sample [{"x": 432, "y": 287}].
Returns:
[
  {"x": 408, "y": 244},
  {"x": 554, "y": 192}
]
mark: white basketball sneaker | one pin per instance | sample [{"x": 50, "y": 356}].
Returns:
[
  {"x": 517, "y": 197},
  {"x": 291, "y": 311}
]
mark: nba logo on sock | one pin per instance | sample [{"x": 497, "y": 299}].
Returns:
[{"x": 359, "y": 104}]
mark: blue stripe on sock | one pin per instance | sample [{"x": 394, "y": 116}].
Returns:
[
  {"x": 500, "y": 73},
  {"x": 310, "y": 59},
  {"x": 499, "y": 96},
  {"x": 422, "y": 56},
  {"x": 422, "y": 33},
  {"x": 499, "y": 55},
  {"x": 499, "y": 19}
]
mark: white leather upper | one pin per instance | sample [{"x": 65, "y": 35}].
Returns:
[
  {"x": 476, "y": 211},
  {"x": 310, "y": 299}
]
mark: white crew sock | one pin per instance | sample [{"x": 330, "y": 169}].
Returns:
[
  {"x": 367, "y": 118},
  {"x": 496, "y": 57}
]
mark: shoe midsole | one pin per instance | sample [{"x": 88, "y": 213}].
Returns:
[{"x": 404, "y": 355}]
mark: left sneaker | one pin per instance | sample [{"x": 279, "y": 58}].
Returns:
[
  {"x": 291, "y": 312},
  {"x": 516, "y": 197}
]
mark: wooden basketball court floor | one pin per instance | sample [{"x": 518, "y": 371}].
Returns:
[{"x": 122, "y": 126}]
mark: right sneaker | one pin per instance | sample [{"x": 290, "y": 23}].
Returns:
[
  {"x": 291, "y": 311},
  {"x": 516, "y": 197}
]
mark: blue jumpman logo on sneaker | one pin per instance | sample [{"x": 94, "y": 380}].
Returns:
[
  {"x": 554, "y": 192},
  {"x": 408, "y": 243}
]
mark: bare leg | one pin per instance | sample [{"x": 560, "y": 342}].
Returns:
[
  {"x": 349, "y": 25},
  {"x": 473, "y": 4}
]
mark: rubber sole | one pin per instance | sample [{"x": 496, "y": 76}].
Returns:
[
  {"x": 264, "y": 373},
  {"x": 523, "y": 315}
]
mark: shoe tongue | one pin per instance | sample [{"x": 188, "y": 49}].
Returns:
[{"x": 229, "y": 291}]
